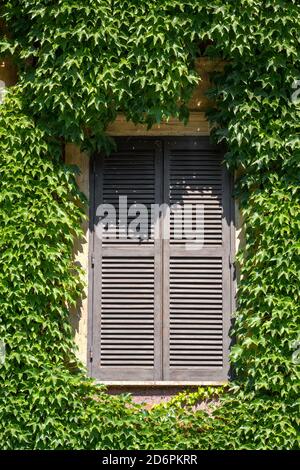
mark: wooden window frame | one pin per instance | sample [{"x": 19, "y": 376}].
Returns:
[{"x": 232, "y": 280}]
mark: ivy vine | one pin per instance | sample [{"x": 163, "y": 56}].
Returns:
[{"x": 80, "y": 63}]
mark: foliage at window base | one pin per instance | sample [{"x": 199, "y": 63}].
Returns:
[{"x": 79, "y": 64}]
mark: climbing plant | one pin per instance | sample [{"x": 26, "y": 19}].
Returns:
[{"x": 80, "y": 63}]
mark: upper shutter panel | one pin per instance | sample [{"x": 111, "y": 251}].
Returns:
[
  {"x": 195, "y": 179},
  {"x": 129, "y": 178},
  {"x": 127, "y": 275},
  {"x": 197, "y": 276}
]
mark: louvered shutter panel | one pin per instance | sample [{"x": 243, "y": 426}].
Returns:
[
  {"x": 196, "y": 276},
  {"x": 161, "y": 304},
  {"x": 127, "y": 275}
]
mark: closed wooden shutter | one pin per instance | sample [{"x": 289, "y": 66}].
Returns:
[
  {"x": 127, "y": 274},
  {"x": 196, "y": 271},
  {"x": 161, "y": 304}
]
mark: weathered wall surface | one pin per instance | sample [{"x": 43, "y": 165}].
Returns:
[
  {"x": 150, "y": 395},
  {"x": 8, "y": 74},
  {"x": 79, "y": 315}
]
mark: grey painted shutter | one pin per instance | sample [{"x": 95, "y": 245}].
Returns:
[
  {"x": 196, "y": 276},
  {"x": 161, "y": 305},
  {"x": 127, "y": 275}
]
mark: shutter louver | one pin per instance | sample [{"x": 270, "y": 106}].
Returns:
[
  {"x": 196, "y": 179},
  {"x": 127, "y": 321},
  {"x": 196, "y": 312},
  {"x": 129, "y": 175}
]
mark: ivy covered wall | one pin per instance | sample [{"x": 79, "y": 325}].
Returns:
[{"x": 79, "y": 65}]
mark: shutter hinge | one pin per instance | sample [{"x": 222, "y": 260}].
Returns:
[
  {"x": 91, "y": 355},
  {"x": 232, "y": 263},
  {"x": 93, "y": 260}
]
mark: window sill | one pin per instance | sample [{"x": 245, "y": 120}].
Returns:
[{"x": 161, "y": 383}]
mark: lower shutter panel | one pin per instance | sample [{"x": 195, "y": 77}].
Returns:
[
  {"x": 127, "y": 317},
  {"x": 196, "y": 313}
]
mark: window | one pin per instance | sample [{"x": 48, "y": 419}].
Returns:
[{"x": 161, "y": 275}]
